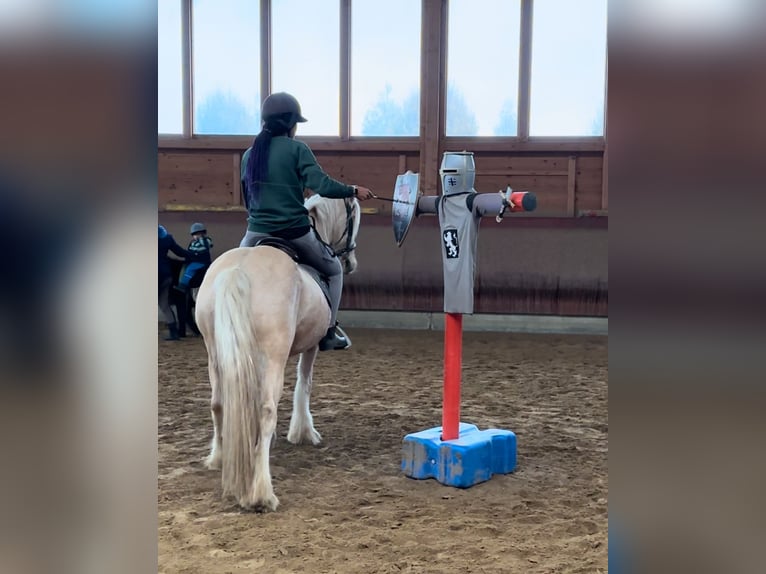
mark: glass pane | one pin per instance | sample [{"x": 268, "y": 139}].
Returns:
[
  {"x": 226, "y": 67},
  {"x": 568, "y": 68},
  {"x": 306, "y": 60},
  {"x": 483, "y": 67},
  {"x": 169, "y": 70},
  {"x": 385, "y": 68}
]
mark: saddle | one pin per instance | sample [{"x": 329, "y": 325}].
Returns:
[{"x": 285, "y": 246}]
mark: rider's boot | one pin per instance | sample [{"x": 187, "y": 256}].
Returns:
[
  {"x": 333, "y": 341},
  {"x": 172, "y": 332}
]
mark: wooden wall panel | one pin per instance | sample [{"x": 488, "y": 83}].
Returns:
[
  {"x": 196, "y": 179},
  {"x": 207, "y": 179},
  {"x": 589, "y": 182},
  {"x": 367, "y": 169},
  {"x": 546, "y": 176},
  {"x": 377, "y": 171},
  {"x": 519, "y": 163}
]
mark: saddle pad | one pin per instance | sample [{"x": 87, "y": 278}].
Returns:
[
  {"x": 278, "y": 243},
  {"x": 320, "y": 279},
  {"x": 284, "y": 245}
]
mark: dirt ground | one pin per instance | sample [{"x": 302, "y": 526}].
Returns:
[{"x": 346, "y": 507}]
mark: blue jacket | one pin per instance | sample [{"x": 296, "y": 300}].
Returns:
[
  {"x": 199, "y": 250},
  {"x": 167, "y": 243}
]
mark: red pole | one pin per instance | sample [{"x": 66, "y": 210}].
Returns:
[{"x": 453, "y": 352}]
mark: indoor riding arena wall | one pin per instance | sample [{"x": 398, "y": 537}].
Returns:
[{"x": 549, "y": 262}]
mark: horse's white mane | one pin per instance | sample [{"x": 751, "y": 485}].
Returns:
[
  {"x": 330, "y": 216},
  {"x": 323, "y": 206}
]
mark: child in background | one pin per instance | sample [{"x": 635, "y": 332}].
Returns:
[{"x": 199, "y": 251}]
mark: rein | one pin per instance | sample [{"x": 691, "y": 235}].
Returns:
[{"x": 350, "y": 246}]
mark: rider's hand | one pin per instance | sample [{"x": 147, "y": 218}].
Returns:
[{"x": 363, "y": 193}]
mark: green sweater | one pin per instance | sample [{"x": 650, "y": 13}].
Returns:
[{"x": 292, "y": 168}]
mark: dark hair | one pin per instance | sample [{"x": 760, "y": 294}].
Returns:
[{"x": 258, "y": 162}]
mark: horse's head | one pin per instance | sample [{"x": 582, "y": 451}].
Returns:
[{"x": 337, "y": 222}]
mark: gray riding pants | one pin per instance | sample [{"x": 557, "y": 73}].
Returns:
[{"x": 316, "y": 254}]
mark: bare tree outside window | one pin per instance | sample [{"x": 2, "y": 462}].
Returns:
[
  {"x": 225, "y": 113},
  {"x": 568, "y": 68},
  {"x": 389, "y": 117},
  {"x": 385, "y": 68},
  {"x": 306, "y": 60},
  {"x": 482, "y": 65},
  {"x": 226, "y": 70},
  {"x": 507, "y": 124},
  {"x": 169, "y": 69}
]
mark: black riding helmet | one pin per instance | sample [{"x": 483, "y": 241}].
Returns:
[{"x": 281, "y": 103}]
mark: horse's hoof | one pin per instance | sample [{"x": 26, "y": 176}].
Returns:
[
  {"x": 314, "y": 437},
  {"x": 213, "y": 462},
  {"x": 311, "y": 436},
  {"x": 262, "y": 506}
]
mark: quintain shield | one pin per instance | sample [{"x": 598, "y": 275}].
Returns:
[{"x": 405, "y": 202}]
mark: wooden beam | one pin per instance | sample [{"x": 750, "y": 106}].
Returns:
[
  {"x": 592, "y": 213},
  {"x": 345, "y": 70},
  {"x": 431, "y": 92},
  {"x": 265, "y": 41},
  {"x": 187, "y": 104},
  {"x": 317, "y": 143},
  {"x": 402, "y": 163},
  {"x": 543, "y": 144},
  {"x": 605, "y": 168},
  {"x": 572, "y": 177},
  {"x": 394, "y": 144},
  {"x": 443, "y": 76},
  {"x": 525, "y": 69},
  {"x": 237, "y": 185},
  {"x": 605, "y": 181},
  {"x": 195, "y": 207},
  {"x": 502, "y": 172}
]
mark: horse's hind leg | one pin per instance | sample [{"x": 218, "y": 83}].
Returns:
[
  {"x": 302, "y": 423},
  {"x": 263, "y": 497},
  {"x": 213, "y": 461}
]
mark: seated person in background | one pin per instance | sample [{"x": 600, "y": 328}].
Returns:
[{"x": 199, "y": 255}]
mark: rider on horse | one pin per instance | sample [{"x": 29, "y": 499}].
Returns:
[{"x": 275, "y": 171}]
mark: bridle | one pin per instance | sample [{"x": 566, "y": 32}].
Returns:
[{"x": 350, "y": 244}]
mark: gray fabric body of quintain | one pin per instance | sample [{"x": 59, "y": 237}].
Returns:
[{"x": 459, "y": 233}]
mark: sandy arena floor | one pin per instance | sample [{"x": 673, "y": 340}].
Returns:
[{"x": 346, "y": 507}]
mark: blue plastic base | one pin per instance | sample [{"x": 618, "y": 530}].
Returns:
[{"x": 471, "y": 458}]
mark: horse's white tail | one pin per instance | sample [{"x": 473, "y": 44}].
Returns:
[{"x": 239, "y": 373}]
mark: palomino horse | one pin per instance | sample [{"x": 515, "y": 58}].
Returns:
[{"x": 256, "y": 308}]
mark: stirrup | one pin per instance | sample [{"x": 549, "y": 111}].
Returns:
[{"x": 333, "y": 341}]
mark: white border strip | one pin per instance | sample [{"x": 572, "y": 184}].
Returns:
[{"x": 482, "y": 322}]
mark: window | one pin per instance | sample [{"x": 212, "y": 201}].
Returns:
[
  {"x": 565, "y": 85},
  {"x": 385, "y": 68},
  {"x": 306, "y": 60},
  {"x": 169, "y": 68},
  {"x": 226, "y": 72},
  {"x": 568, "y": 68},
  {"x": 483, "y": 67}
]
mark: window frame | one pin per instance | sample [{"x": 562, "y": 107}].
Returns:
[{"x": 433, "y": 34}]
